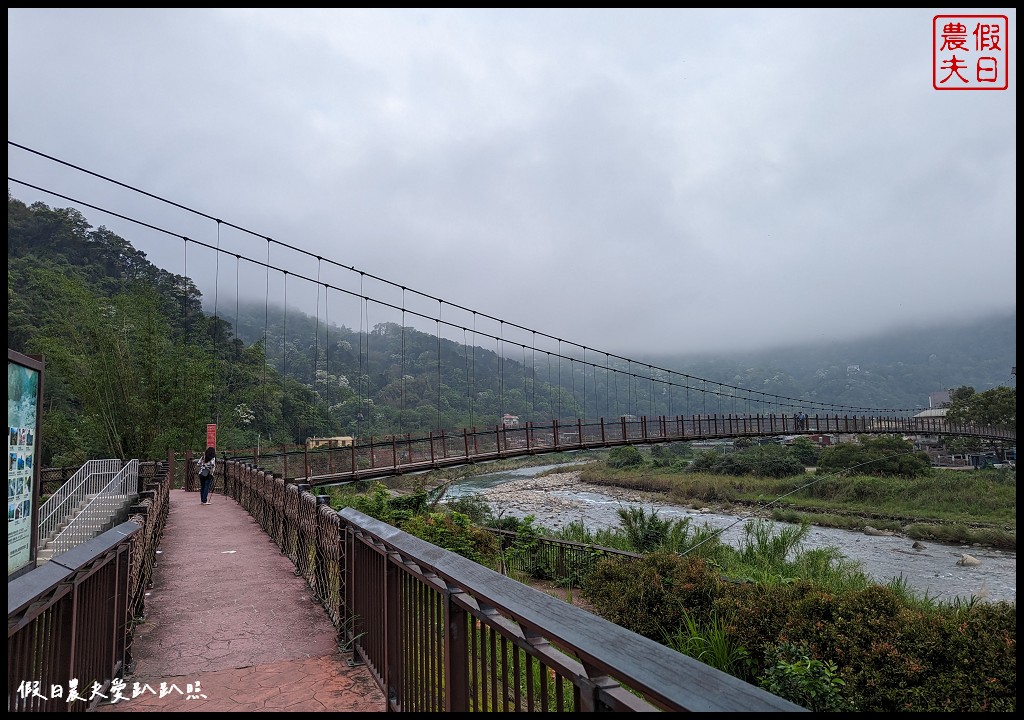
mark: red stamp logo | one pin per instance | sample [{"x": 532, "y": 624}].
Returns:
[{"x": 970, "y": 52}]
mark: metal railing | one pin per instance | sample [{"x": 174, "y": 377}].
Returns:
[
  {"x": 100, "y": 511},
  {"x": 72, "y": 618},
  {"x": 442, "y": 633},
  {"x": 89, "y": 480},
  {"x": 392, "y": 455}
]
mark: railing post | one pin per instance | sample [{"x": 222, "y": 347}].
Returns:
[
  {"x": 392, "y": 632},
  {"x": 465, "y": 440},
  {"x": 456, "y": 651},
  {"x": 431, "y": 447},
  {"x": 187, "y": 481},
  {"x": 170, "y": 466},
  {"x": 602, "y": 431}
]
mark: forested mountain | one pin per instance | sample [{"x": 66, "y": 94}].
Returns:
[
  {"x": 135, "y": 367},
  {"x": 896, "y": 369}
]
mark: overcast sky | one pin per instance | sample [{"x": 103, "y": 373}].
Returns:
[{"x": 633, "y": 181}]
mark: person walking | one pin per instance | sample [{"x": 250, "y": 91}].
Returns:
[{"x": 207, "y": 465}]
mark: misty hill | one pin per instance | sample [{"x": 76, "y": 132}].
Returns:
[
  {"x": 895, "y": 369},
  {"x": 891, "y": 370},
  {"x": 136, "y": 367}
]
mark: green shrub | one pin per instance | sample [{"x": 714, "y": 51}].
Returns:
[
  {"x": 454, "y": 531},
  {"x": 625, "y": 457},
  {"x": 795, "y": 675},
  {"x": 899, "y": 657},
  {"x": 882, "y": 456},
  {"x": 649, "y": 594}
]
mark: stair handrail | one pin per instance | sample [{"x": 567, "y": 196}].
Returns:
[
  {"x": 90, "y": 479},
  {"x": 112, "y": 498}
]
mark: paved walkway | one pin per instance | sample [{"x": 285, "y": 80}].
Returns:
[{"x": 229, "y": 627}]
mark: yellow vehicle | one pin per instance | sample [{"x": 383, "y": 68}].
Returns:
[{"x": 342, "y": 441}]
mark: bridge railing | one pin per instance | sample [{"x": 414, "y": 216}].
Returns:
[
  {"x": 71, "y": 619},
  {"x": 441, "y": 633},
  {"x": 391, "y": 455}
]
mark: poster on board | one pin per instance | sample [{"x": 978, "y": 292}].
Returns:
[{"x": 24, "y": 399}]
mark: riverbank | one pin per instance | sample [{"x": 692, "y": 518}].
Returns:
[{"x": 556, "y": 498}]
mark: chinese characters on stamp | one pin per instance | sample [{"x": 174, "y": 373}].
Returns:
[{"x": 970, "y": 52}]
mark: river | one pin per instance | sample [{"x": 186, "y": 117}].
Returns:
[{"x": 557, "y": 500}]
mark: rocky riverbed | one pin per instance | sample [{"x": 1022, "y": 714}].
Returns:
[{"x": 932, "y": 569}]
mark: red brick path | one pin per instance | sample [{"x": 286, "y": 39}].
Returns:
[{"x": 227, "y": 613}]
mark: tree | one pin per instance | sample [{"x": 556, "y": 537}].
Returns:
[
  {"x": 882, "y": 455},
  {"x": 996, "y": 407},
  {"x": 117, "y": 368}
]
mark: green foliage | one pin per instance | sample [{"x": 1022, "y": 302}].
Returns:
[
  {"x": 645, "y": 532},
  {"x": 710, "y": 643},
  {"x": 897, "y": 656},
  {"x": 625, "y": 457},
  {"x": 475, "y": 508},
  {"x": 796, "y": 676},
  {"x": 866, "y": 646},
  {"x": 453, "y": 531},
  {"x": 375, "y": 502},
  {"x": 521, "y": 554},
  {"x": 670, "y": 455},
  {"x": 769, "y": 546},
  {"x": 706, "y": 461},
  {"x": 881, "y": 455},
  {"x": 995, "y": 407},
  {"x": 775, "y": 461},
  {"x": 805, "y": 451},
  {"x": 649, "y": 594}
]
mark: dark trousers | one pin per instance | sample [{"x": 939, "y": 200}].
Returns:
[{"x": 205, "y": 483}]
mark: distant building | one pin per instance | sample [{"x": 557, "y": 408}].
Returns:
[
  {"x": 312, "y": 443},
  {"x": 930, "y": 443},
  {"x": 509, "y": 421},
  {"x": 938, "y": 399}
]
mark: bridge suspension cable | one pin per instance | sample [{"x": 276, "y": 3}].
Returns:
[{"x": 677, "y": 380}]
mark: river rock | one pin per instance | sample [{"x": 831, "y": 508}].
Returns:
[
  {"x": 918, "y": 545},
  {"x": 968, "y": 561},
  {"x": 868, "y": 530}
]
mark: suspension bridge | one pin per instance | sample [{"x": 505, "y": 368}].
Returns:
[{"x": 422, "y": 623}]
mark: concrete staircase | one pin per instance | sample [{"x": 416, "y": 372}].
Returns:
[
  {"x": 87, "y": 508},
  {"x": 93, "y": 516}
]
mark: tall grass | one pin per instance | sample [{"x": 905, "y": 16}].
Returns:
[{"x": 710, "y": 643}]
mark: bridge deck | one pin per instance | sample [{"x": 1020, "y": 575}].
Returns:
[{"x": 227, "y": 611}]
